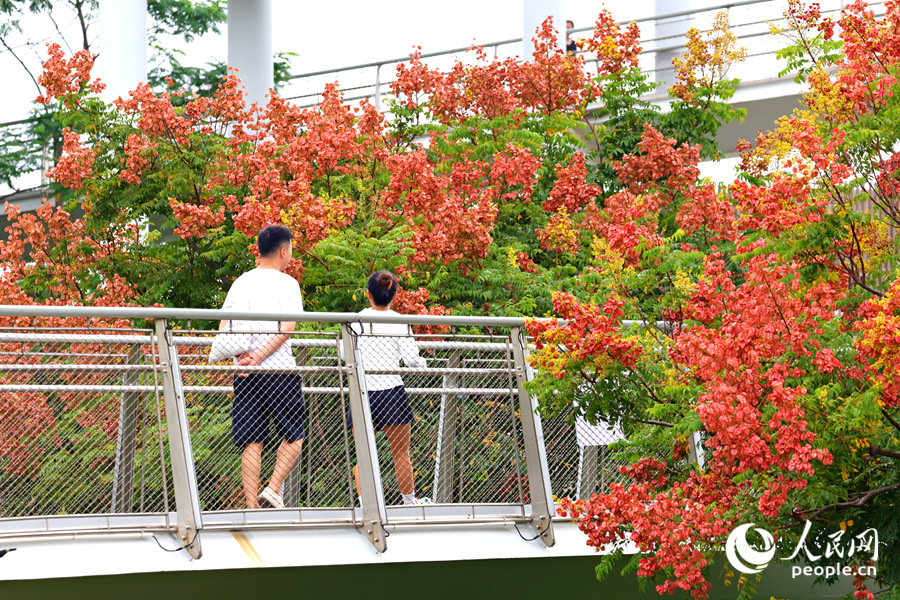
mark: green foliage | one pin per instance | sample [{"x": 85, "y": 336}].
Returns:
[
  {"x": 336, "y": 278},
  {"x": 185, "y": 18},
  {"x": 26, "y": 143},
  {"x": 614, "y": 128},
  {"x": 805, "y": 56},
  {"x": 698, "y": 122}
]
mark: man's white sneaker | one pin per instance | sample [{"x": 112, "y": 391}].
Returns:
[
  {"x": 425, "y": 500},
  {"x": 270, "y": 499}
]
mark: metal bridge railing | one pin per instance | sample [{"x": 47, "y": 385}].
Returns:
[
  {"x": 112, "y": 419},
  {"x": 662, "y": 39}
]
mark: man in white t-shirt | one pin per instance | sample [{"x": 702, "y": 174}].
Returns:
[{"x": 261, "y": 397}]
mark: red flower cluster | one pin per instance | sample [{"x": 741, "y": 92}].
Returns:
[
  {"x": 76, "y": 163},
  {"x": 414, "y": 303},
  {"x": 550, "y": 81},
  {"x": 64, "y": 78},
  {"x": 615, "y": 48},
  {"x": 571, "y": 190},
  {"x": 590, "y": 334}
]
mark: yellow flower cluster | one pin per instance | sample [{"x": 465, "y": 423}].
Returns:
[{"x": 706, "y": 61}]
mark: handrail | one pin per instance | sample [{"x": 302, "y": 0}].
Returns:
[
  {"x": 204, "y": 314},
  {"x": 211, "y": 314}
]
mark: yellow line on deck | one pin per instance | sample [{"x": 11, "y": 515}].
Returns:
[{"x": 249, "y": 550}]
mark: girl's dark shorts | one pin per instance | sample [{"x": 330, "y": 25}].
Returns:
[
  {"x": 264, "y": 396},
  {"x": 389, "y": 407}
]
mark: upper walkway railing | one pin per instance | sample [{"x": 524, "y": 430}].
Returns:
[
  {"x": 112, "y": 420},
  {"x": 662, "y": 39}
]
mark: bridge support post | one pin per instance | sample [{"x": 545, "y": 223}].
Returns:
[
  {"x": 187, "y": 500},
  {"x": 535, "y": 453},
  {"x": 446, "y": 440},
  {"x": 250, "y": 47},
  {"x": 371, "y": 492},
  {"x": 123, "y": 474}
]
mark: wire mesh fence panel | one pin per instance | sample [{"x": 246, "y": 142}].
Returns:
[
  {"x": 324, "y": 476},
  {"x": 84, "y": 430},
  {"x": 491, "y": 457},
  {"x": 562, "y": 456},
  {"x": 448, "y": 419},
  {"x": 279, "y": 425},
  {"x": 81, "y": 421},
  {"x": 381, "y": 348},
  {"x": 579, "y": 458}
]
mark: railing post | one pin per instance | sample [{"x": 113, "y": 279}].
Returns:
[
  {"x": 446, "y": 438},
  {"x": 378, "y": 88},
  {"x": 123, "y": 473},
  {"x": 535, "y": 452},
  {"x": 695, "y": 450},
  {"x": 187, "y": 499},
  {"x": 371, "y": 493}
]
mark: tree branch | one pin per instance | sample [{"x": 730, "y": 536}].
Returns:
[
  {"x": 861, "y": 501},
  {"x": 890, "y": 419},
  {"x": 78, "y": 5},
  {"x": 210, "y": 264},
  {"x": 59, "y": 31},
  {"x": 652, "y": 422},
  {"x": 16, "y": 56},
  {"x": 882, "y": 452}
]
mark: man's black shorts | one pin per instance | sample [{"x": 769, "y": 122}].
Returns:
[
  {"x": 389, "y": 407},
  {"x": 257, "y": 398}
]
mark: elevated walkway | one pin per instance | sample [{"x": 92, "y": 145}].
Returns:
[
  {"x": 765, "y": 96},
  {"x": 116, "y": 428},
  {"x": 118, "y": 474}
]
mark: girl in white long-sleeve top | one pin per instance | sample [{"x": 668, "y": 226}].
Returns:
[{"x": 382, "y": 346}]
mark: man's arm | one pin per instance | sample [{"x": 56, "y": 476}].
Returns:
[{"x": 275, "y": 342}]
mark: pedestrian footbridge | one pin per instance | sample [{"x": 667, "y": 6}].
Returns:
[
  {"x": 115, "y": 445},
  {"x": 118, "y": 474}
]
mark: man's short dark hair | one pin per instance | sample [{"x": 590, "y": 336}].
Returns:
[{"x": 272, "y": 238}]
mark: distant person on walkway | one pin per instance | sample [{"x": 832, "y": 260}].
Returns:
[
  {"x": 571, "y": 48},
  {"x": 263, "y": 396},
  {"x": 381, "y": 346}
]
